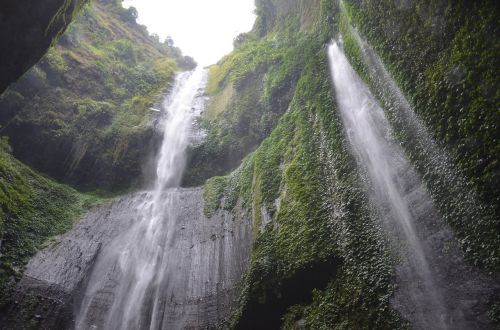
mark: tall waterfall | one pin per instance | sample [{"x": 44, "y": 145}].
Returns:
[
  {"x": 390, "y": 174},
  {"x": 131, "y": 273}
]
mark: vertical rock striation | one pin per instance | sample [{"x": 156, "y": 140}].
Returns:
[{"x": 210, "y": 257}]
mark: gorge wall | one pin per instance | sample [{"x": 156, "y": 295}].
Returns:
[
  {"x": 301, "y": 183},
  {"x": 285, "y": 217},
  {"x": 85, "y": 107}
]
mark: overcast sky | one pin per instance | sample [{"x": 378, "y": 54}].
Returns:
[{"x": 203, "y": 29}]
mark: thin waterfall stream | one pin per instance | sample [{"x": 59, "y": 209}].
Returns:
[
  {"x": 378, "y": 154},
  {"x": 139, "y": 257},
  {"x": 435, "y": 290}
]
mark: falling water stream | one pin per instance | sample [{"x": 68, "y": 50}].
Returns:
[
  {"x": 130, "y": 273},
  {"x": 397, "y": 191},
  {"x": 436, "y": 287}
]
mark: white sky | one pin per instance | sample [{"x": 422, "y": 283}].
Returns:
[{"x": 203, "y": 29}]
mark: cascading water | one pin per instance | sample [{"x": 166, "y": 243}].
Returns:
[
  {"x": 384, "y": 162},
  {"x": 130, "y": 273},
  {"x": 149, "y": 259},
  {"x": 461, "y": 200},
  {"x": 436, "y": 289}
]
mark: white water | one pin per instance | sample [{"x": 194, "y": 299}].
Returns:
[
  {"x": 462, "y": 200},
  {"x": 395, "y": 187},
  {"x": 132, "y": 287}
]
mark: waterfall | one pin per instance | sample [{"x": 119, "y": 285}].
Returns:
[
  {"x": 125, "y": 288},
  {"x": 436, "y": 288},
  {"x": 390, "y": 175},
  {"x": 148, "y": 259},
  {"x": 462, "y": 200}
]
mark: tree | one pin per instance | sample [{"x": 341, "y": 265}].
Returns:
[
  {"x": 169, "y": 41},
  {"x": 129, "y": 15}
]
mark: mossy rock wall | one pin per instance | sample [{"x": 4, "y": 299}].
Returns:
[
  {"x": 33, "y": 211},
  {"x": 445, "y": 57},
  {"x": 442, "y": 55},
  {"x": 82, "y": 114},
  {"x": 320, "y": 258}
]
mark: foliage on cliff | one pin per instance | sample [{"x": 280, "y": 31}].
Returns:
[
  {"x": 33, "y": 208},
  {"x": 82, "y": 113},
  {"x": 320, "y": 259},
  {"x": 250, "y": 89},
  {"x": 445, "y": 56}
]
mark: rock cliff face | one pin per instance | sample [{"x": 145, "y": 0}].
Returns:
[
  {"x": 307, "y": 196},
  {"x": 85, "y": 107},
  {"x": 72, "y": 115},
  {"x": 27, "y": 30},
  {"x": 211, "y": 256}
]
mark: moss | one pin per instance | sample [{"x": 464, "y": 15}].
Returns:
[
  {"x": 212, "y": 195},
  {"x": 34, "y": 209},
  {"x": 320, "y": 257},
  {"x": 349, "y": 304},
  {"x": 494, "y": 313}
]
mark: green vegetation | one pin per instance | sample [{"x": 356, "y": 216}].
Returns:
[
  {"x": 320, "y": 259},
  {"x": 212, "y": 195},
  {"x": 84, "y": 107},
  {"x": 33, "y": 209},
  {"x": 319, "y": 255},
  {"x": 250, "y": 89}
]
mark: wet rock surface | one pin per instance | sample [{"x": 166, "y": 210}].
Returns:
[
  {"x": 209, "y": 259},
  {"x": 27, "y": 29}
]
